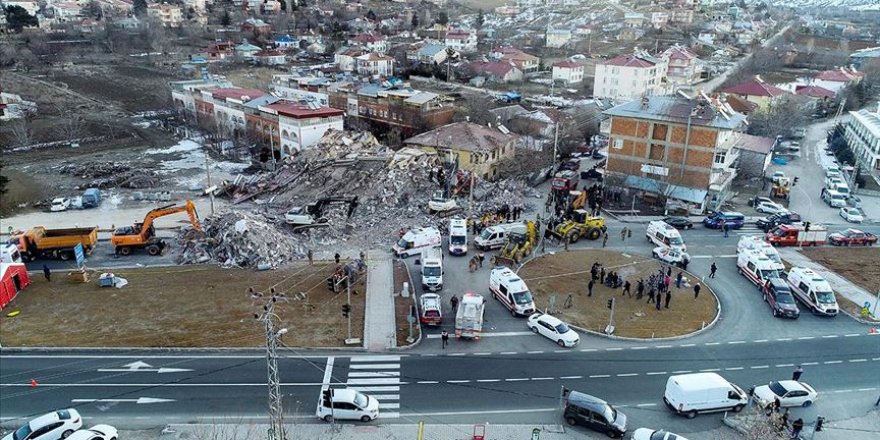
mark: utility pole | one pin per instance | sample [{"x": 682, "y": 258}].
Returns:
[
  {"x": 208, "y": 172},
  {"x": 555, "y": 144},
  {"x": 276, "y": 412}
]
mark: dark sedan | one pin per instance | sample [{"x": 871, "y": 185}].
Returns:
[{"x": 678, "y": 222}]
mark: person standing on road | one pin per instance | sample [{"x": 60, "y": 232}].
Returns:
[
  {"x": 650, "y": 295},
  {"x": 657, "y": 302},
  {"x": 623, "y": 234},
  {"x": 724, "y": 228},
  {"x": 444, "y": 338},
  {"x": 797, "y": 427},
  {"x": 47, "y": 273},
  {"x": 640, "y": 289},
  {"x": 590, "y": 288},
  {"x": 482, "y": 257},
  {"x": 712, "y": 269},
  {"x": 626, "y": 290},
  {"x": 696, "y": 291},
  {"x": 602, "y": 275},
  {"x": 678, "y": 279},
  {"x": 309, "y": 256},
  {"x": 796, "y": 374},
  {"x": 605, "y": 239},
  {"x": 336, "y": 257},
  {"x": 454, "y": 302},
  {"x": 668, "y": 298}
]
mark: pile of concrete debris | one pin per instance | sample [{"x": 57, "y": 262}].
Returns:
[
  {"x": 110, "y": 174},
  {"x": 238, "y": 239}
]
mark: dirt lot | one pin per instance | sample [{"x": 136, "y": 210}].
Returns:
[
  {"x": 633, "y": 318},
  {"x": 192, "y": 306},
  {"x": 852, "y": 264},
  {"x": 402, "y": 305}
]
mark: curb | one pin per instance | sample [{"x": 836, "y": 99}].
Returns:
[
  {"x": 668, "y": 338},
  {"x": 859, "y": 318},
  {"x": 168, "y": 350},
  {"x": 418, "y": 341}
]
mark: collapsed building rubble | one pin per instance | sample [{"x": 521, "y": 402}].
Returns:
[
  {"x": 110, "y": 174},
  {"x": 393, "y": 189}
]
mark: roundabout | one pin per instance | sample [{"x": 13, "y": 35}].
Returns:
[{"x": 559, "y": 282}]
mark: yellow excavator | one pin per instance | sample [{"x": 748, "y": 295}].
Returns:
[
  {"x": 580, "y": 225},
  {"x": 143, "y": 235},
  {"x": 520, "y": 244}
]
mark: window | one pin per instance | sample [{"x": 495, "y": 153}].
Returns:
[
  {"x": 618, "y": 143},
  {"x": 721, "y": 157},
  {"x": 657, "y": 152}
]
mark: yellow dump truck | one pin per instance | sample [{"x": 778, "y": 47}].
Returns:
[{"x": 40, "y": 242}]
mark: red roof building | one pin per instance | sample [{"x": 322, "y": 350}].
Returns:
[
  {"x": 501, "y": 71},
  {"x": 814, "y": 92},
  {"x": 756, "y": 91},
  {"x": 302, "y": 126}
]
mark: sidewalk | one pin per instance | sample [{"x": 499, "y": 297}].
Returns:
[
  {"x": 379, "y": 332},
  {"x": 865, "y": 427},
  {"x": 839, "y": 284},
  {"x": 357, "y": 431}
]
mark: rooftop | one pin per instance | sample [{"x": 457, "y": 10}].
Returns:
[
  {"x": 466, "y": 136},
  {"x": 494, "y": 68},
  {"x": 842, "y": 74},
  {"x": 869, "y": 119},
  {"x": 678, "y": 52},
  {"x": 813, "y": 91},
  {"x": 755, "y": 87},
  {"x": 633, "y": 60},
  {"x": 301, "y": 111},
  {"x": 679, "y": 110},
  {"x": 237, "y": 93},
  {"x": 567, "y": 64},
  {"x": 757, "y": 144}
]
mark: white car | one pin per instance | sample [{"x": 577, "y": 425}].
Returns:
[
  {"x": 97, "y": 432},
  {"x": 53, "y": 426},
  {"x": 770, "y": 208},
  {"x": 789, "y": 393},
  {"x": 347, "y": 404},
  {"x": 60, "y": 204},
  {"x": 651, "y": 434},
  {"x": 851, "y": 215},
  {"x": 670, "y": 256},
  {"x": 553, "y": 329}
]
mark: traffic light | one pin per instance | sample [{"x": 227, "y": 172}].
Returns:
[
  {"x": 328, "y": 397},
  {"x": 807, "y": 227},
  {"x": 331, "y": 284},
  {"x": 346, "y": 309},
  {"x": 795, "y": 181},
  {"x": 819, "y": 422},
  {"x": 611, "y": 303},
  {"x": 565, "y": 392}
]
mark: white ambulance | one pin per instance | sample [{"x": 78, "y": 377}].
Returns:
[
  {"x": 662, "y": 234},
  {"x": 415, "y": 240},
  {"x": 511, "y": 291},
  {"x": 458, "y": 236},
  {"x": 432, "y": 269},
  {"x": 813, "y": 291},
  {"x": 757, "y": 243},
  {"x": 755, "y": 266},
  {"x": 496, "y": 236}
]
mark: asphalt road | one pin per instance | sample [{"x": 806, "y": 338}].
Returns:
[{"x": 132, "y": 389}]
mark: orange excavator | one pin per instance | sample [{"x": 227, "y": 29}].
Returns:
[{"x": 143, "y": 235}]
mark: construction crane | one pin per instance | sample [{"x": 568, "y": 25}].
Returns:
[{"x": 143, "y": 235}]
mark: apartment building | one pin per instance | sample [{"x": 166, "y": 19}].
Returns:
[
  {"x": 630, "y": 76},
  {"x": 863, "y": 137},
  {"x": 169, "y": 15},
  {"x": 462, "y": 41},
  {"x": 476, "y": 148},
  {"x": 568, "y": 72}
]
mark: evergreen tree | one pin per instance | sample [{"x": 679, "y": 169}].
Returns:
[
  {"x": 4, "y": 181},
  {"x": 443, "y": 18},
  {"x": 226, "y": 20},
  {"x": 18, "y": 17},
  {"x": 371, "y": 15},
  {"x": 415, "y": 21},
  {"x": 140, "y": 7},
  {"x": 480, "y": 19}
]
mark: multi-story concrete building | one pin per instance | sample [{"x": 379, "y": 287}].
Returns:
[
  {"x": 756, "y": 91},
  {"x": 301, "y": 126},
  {"x": 676, "y": 149},
  {"x": 630, "y": 76},
  {"x": 408, "y": 110},
  {"x": 169, "y": 15},
  {"x": 375, "y": 63},
  {"x": 556, "y": 38},
  {"x": 683, "y": 66},
  {"x": 863, "y": 138},
  {"x": 476, "y": 148},
  {"x": 183, "y": 94},
  {"x": 569, "y": 72},
  {"x": 462, "y": 41},
  {"x": 523, "y": 61}
]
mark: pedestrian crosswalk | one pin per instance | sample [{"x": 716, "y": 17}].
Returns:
[{"x": 379, "y": 377}]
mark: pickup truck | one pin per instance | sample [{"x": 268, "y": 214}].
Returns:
[{"x": 40, "y": 242}]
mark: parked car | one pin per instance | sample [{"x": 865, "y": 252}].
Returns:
[
  {"x": 53, "y": 426},
  {"x": 785, "y": 218},
  {"x": 789, "y": 393},
  {"x": 431, "y": 313},
  {"x": 851, "y": 215},
  {"x": 594, "y": 413},
  {"x": 598, "y": 155},
  {"x": 777, "y": 294},
  {"x": 651, "y": 434},
  {"x": 571, "y": 165},
  {"x": 553, "y": 329},
  {"x": 60, "y": 204},
  {"x": 592, "y": 173},
  {"x": 770, "y": 208},
  {"x": 346, "y": 404},
  {"x": 854, "y": 201},
  {"x": 758, "y": 200},
  {"x": 678, "y": 222},
  {"x": 849, "y": 237},
  {"x": 671, "y": 256},
  {"x": 97, "y": 432}
]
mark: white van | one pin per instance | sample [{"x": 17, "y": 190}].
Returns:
[
  {"x": 755, "y": 266},
  {"x": 662, "y": 234},
  {"x": 511, "y": 291},
  {"x": 813, "y": 291},
  {"x": 432, "y": 269},
  {"x": 834, "y": 198},
  {"x": 757, "y": 243},
  {"x": 831, "y": 171},
  {"x": 495, "y": 237},
  {"x": 691, "y": 394},
  {"x": 346, "y": 404},
  {"x": 415, "y": 240},
  {"x": 458, "y": 236}
]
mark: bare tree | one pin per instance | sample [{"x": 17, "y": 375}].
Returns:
[
  {"x": 70, "y": 128},
  {"x": 757, "y": 425},
  {"x": 23, "y": 132},
  {"x": 785, "y": 113}
]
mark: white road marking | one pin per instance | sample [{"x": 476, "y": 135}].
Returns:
[
  {"x": 418, "y": 415},
  {"x": 712, "y": 343},
  {"x": 614, "y": 349},
  {"x": 373, "y": 373},
  {"x": 734, "y": 369},
  {"x": 457, "y": 381},
  {"x": 488, "y": 380},
  {"x": 832, "y": 362},
  {"x": 682, "y": 372},
  {"x": 385, "y": 396},
  {"x": 687, "y": 345},
  {"x": 783, "y": 339},
  {"x": 784, "y": 365},
  {"x": 508, "y": 352},
  {"x": 642, "y": 405},
  {"x": 389, "y": 415},
  {"x": 376, "y": 381},
  {"x": 849, "y": 335},
  {"x": 374, "y": 366},
  {"x": 427, "y": 381},
  {"x": 456, "y": 354},
  {"x": 489, "y": 335},
  {"x": 377, "y": 358},
  {"x": 760, "y": 340},
  {"x": 736, "y": 342},
  {"x": 809, "y": 363},
  {"x": 804, "y": 338},
  {"x": 561, "y": 351},
  {"x": 710, "y": 370},
  {"x": 571, "y": 377},
  {"x": 867, "y": 389},
  {"x": 638, "y": 348},
  {"x": 542, "y": 378},
  {"x": 663, "y": 346},
  {"x": 627, "y": 374},
  {"x": 389, "y": 405},
  {"x": 759, "y": 367},
  {"x": 858, "y": 360},
  {"x": 139, "y": 400},
  {"x": 517, "y": 379},
  {"x": 328, "y": 374},
  {"x": 586, "y": 350},
  {"x": 482, "y": 354},
  {"x": 535, "y": 352},
  {"x": 597, "y": 376},
  {"x": 829, "y": 336},
  {"x": 655, "y": 373}
]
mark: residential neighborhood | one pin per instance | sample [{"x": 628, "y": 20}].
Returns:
[{"x": 439, "y": 219}]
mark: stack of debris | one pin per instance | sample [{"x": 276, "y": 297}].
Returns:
[
  {"x": 238, "y": 239},
  {"x": 110, "y": 174}
]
